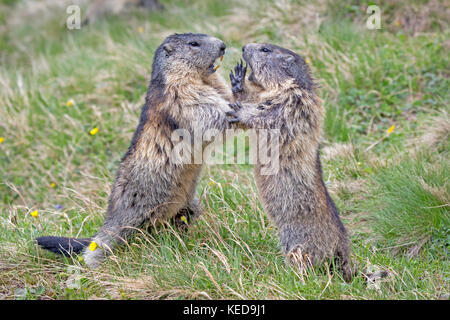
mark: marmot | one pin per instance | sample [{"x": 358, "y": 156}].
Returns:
[
  {"x": 184, "y": 93},
  {"x": 281, "y": 95},
  {"x": 100, "y": 8}
]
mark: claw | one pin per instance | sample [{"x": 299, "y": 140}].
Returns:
[
  {"x": 233, "y": 117},
  {"x": 232, "y": 77},
  {"x": 235, "y": 106}
]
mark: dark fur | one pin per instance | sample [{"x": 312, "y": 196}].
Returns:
[{"x": 63, "y": 245}]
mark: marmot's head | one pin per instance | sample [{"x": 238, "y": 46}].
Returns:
[
  {"x": 187, "y": 53},
  {"x": 273, "y": 65}
]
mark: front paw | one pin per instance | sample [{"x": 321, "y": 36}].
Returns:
[
  {"x": 233, "y": 117},
  {"x": 237, "y": 80},
  {"x": 235, "y": 106}
]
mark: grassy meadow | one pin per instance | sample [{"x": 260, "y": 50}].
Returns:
[{"x": 70, "y": 102}]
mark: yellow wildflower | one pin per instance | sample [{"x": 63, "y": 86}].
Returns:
[
  {"x": 391, "y": 129},
  {"x": 93, "y": 246},
  {"x": 307, "y": 61},
  {"x": 2, "y": 139},
  {"x": 211, "y": 183},
  {"x": 70, "y": 103},
  {"x": 52, "y": 184},
  {"x": 183, "y": 218},
  {"x": 140, "y": 29},
  {"x": 34, "y": 213},
  {"x": 93, "y": 132}
]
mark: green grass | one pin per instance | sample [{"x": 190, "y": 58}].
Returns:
[
  {"x": 391, "y": 189},
  {"x": 412, "y": 199}
]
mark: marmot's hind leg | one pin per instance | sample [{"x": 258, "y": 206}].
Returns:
[
  {"x": 115, "y": 231},
  {"x": 342, "y": 262},
  {"x": 111, "y": 236},
  {"x": 186, "y": 216},
  {"x": 104, "y": 241},
  {"x": 300, "y": 258},
  {"x": 303, "y": 251}
]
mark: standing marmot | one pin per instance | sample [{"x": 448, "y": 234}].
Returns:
[
  {"x": 281, "y": 96},
  {"x": 184, "y": 93}
]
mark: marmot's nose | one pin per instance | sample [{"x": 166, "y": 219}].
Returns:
[{"x": 223, "y": 46}]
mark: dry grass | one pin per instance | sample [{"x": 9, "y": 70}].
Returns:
[
  {"x": 434, "y": 133},
  {"x": 232, "y": 251}
]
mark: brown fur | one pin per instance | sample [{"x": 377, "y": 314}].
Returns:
[
  {"x": 281, "y": 96},
  {"x": 184, "y": 93},
  {"x": 149, "y": 188}
]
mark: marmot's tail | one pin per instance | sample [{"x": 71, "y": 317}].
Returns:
[{"x": 63, "y": 245}]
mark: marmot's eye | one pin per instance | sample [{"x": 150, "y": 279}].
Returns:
[
  {"x": 194, "y": 44},
  {"x": 265, "y": 49}
]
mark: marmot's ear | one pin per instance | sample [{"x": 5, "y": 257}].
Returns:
[
  {"x": 168, "y": 48},
  {"x": 287, "y": 58}
]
